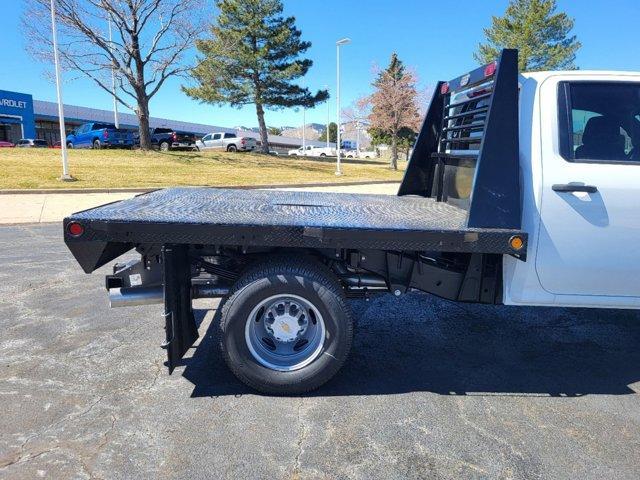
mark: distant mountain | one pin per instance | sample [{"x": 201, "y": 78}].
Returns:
[
  {"x": 312, "y": 131},
  {"x": 247, "y": 129},
  {"x": 350, "y": 132}
]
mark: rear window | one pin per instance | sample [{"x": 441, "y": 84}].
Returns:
[
  {"x": 162, "y": 130},
  {"x": 102, "y": 126},
  {"x": 229, "y": 135}
]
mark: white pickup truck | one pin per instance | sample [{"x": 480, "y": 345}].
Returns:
[
  {"x": 522, "y": 189},
  {"x": 313, "y": 151},
  {"x": 578, "y": 179},
  {"x": 229, "y": 142}
]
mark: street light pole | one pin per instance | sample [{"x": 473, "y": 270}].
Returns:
[
  {"x": 343, "y": 41},
  {"x": 113, "y": 81},
  {"x": 66, "y": 177}
]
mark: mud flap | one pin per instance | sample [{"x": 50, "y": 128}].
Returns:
[{"x": 180, "y": 324}]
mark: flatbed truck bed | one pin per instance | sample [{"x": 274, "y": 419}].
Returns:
[
  {"x": 287, "y": 219},
  {"x": 284, "y": 263}
]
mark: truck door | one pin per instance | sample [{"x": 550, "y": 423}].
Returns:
[
  {"x": 83, "y": 137},
  {"x": 216, "y": 141},
  {"x": 206, "y": 141},
  {"x": 589, "y": 238}
]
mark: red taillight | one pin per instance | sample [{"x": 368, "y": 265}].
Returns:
[
  {"x": 490, "y": 69},
  {"x": 105, "y": 134},
  {"x": 243, "y": 141},
  {"x": 444, "y": 89},
  {"x": 174, "y": 135},
  {"x": 75, "y": 229}
]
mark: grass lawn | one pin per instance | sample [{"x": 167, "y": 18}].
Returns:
[{"x": 40, "y": 168}]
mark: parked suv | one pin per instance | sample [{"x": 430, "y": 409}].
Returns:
[
  {"x": 99, "y": 135},
  {"x": 167, "y": 139}
]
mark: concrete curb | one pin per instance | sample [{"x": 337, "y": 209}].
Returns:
[{"x": 150, "y": 189}]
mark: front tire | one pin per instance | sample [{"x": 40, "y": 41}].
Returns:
[{"x": 286, "y": 328}]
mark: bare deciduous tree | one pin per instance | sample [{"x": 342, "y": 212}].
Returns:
[
  {"x": 151, "y": 39},
  {"x": 356, "y": 116},
  {"x": 394, "y": 104}
]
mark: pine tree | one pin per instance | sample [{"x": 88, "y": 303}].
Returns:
[
  {"x": 541, "y": 35},
  {"x": 333, "y": 133},
  {"x": 394, "y": 104},
  {"x": 252, "y": 57}
]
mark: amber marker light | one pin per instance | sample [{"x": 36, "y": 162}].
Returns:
[{"x": 516, "y": 242}]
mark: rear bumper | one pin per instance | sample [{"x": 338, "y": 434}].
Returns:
[
  {"x": 181, "y": 145},
  {"x": 117, "y": 143}
]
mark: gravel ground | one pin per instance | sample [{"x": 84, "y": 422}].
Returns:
[{"x": 433, "y": 390}]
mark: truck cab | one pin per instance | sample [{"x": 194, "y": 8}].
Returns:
[{"x": 580, "y": 176}]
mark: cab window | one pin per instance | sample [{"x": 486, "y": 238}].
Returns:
[
  {"x": 206, "y": 137},
  {"x": 217, "y": 136},
  {"x": 229, "y": 135},
  {"x": 599, "y": 121}
]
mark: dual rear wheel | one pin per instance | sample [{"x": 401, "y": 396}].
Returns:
[{"x": 286, "y": 327}]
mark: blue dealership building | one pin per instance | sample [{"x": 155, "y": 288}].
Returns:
[
  {"x": 16, "y": 116},
  {"x": 23, "y": 117}
]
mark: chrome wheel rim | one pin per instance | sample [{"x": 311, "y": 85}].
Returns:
[{"x": 285, "y": 333}]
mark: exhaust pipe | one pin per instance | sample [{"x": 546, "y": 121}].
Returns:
[
  {"x": 134, "y": 296},
  {"x": 137, "y": 296}
]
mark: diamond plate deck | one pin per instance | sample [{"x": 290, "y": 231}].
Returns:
[
  {"x": 288, "y": 219},
  {"x": 281, "y": 208}
]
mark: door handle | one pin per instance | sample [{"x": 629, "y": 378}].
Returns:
[{"x": 574, "y": 187}]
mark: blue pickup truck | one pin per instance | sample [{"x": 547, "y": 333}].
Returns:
[{"x": 99, "y": 135}]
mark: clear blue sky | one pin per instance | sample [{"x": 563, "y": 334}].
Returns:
[{"x": 436, "y": 39}]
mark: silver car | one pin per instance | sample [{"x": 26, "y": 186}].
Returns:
[{"x": 32, "y": 143}]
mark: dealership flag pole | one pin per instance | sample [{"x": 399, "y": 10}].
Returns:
[
  {"x": 344, "y": 41},
  {"x": 113, "y": 81},
  {"x": 63, "y": 135}
]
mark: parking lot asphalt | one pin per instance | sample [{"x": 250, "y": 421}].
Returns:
[{"x": 433, "y": 389}]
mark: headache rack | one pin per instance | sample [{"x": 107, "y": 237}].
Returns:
[{"x": 467, "y": 151}]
